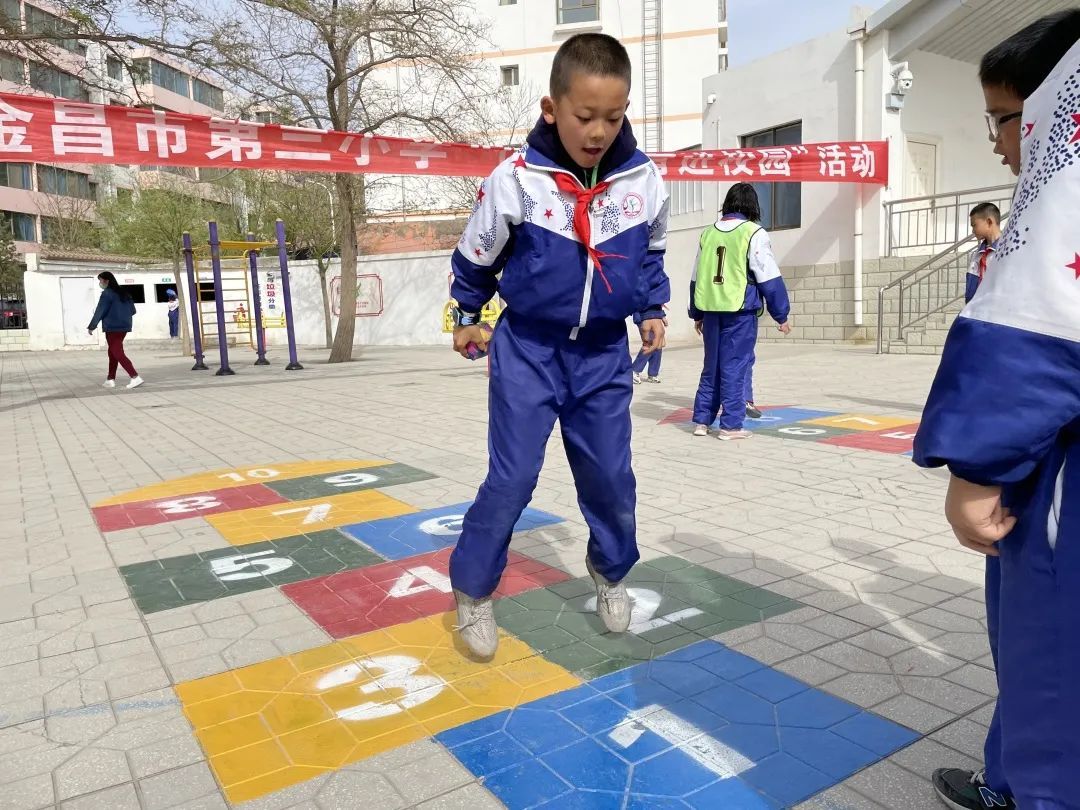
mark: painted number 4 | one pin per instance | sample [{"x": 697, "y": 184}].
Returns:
[{"x": 420, "y": 580}]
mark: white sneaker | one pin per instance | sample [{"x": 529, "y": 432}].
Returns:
[
  {"x": 653, "y": 380},
  {"x": 732, "y": 435},
  {"x": 476, "y": 624},
  {"x": 701, "y": 430},
  {"x": 135, "y": 382},
  {"x": 612, "y": 601},
  {"x": 637, "y": 378},
  {"x": 109, "y": 384}
]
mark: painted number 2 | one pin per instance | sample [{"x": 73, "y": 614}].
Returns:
[
  {"x": 248, "y": 566},
  {"x": 646, "y": 603},
  {"x": 397, "y": 672},
  {"x": 181, "y": 506}
]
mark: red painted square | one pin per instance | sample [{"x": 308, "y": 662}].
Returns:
[
  {"x": 895, "y": 440},
  {"x": 400, "y": 591},
  {"x": 164, "y": 510}
]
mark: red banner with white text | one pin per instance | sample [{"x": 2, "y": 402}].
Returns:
[{"x": 48, "y": 130}]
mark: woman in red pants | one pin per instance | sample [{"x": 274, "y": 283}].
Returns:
[{"x": 114, "y": 312}]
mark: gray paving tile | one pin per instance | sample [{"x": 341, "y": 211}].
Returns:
[{"x": 894, "y": 787}]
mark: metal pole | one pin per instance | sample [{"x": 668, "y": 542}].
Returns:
[
  {"x": 215, "y": 261},
  {"x": 196, "y": 311},
  {"x": 256, "y": 305},
  {"x": 286, "y": 294}
]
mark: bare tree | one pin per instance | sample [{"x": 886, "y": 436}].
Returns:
[
  {"x": 68, "y": 222},
  {"x": 362, "y": 66}
]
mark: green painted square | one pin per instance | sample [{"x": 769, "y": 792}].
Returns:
[
  {"x": 676, "y": 603},
  {"x": 804, "y": 432},
  {"x": 193, "y": 578},
  {"x": 321, "y": 486}
]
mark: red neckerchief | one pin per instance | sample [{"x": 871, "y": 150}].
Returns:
[
  {"x": 984, "y": 257},
  {"x": 583, "y": 198}
]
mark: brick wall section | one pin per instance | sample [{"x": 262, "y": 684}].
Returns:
[
  {"x": 409, "y": 237},
  {"x": 822, "y": 305},
  {"x": 14, "y": 340}
]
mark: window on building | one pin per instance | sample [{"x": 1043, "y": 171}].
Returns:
[
  {"x": 577, "y": 11},
  {"x": 54, "y": 180},
  {"x": 16, "y": 175},
  {"x": 9, "y": 9},
  {"x": 11, "y": 68},
  {"x": 161, "y": 75},
  {"x": 136, "y": 291},
  {"x": 210, "y": 174},
  {"x": 124, "y": 196},
  {"x": 511, "y": 76},
  {"x": 507, "y": 2},
  {"x": 161, "y": 292},
  {"x": 266, "y": 117},
  {"x": 19, "y": 225},
  {"x": 208, "y": 94},
  {"x": 39, "y": 21},
  {"x": 182, "y": 171},
  {"x": 207, "y": 291},
  {"x": 781, "y": 203},
  {"x": 114, "y": 68},
  {"x": 57, "y": 83}
]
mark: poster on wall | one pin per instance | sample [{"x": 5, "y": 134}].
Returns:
[{"x": 369, "y": 295}]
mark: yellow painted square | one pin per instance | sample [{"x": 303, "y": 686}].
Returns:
[
  {"x": 861, "y": 421},
  {"x": 237, "y": 477},
  {"x": 304, "y": 517},
  {"x": 388, "y": 689}
]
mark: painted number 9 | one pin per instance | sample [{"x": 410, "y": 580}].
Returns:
[{"x": 353, "y": 479}]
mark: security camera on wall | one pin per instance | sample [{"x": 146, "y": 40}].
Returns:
[{"x": 903, "y": 81}]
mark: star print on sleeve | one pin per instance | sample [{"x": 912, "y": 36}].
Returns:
[
  {"x": 1076, "y": 136},
  {"x": 548, "y": 214},
  {"x": 568, "y": 209},
  {"x": 611, "y": 217},
  {"x": 520, "y": 162},
  {"x": 528, "y": 205},
  {"x": 1075, "y": 266}
]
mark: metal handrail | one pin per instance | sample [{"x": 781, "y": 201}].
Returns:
[
  {"x": 923, "y": 272},
  {"x": 964, "y": 193},
  {"x": 933, "y": 220}
]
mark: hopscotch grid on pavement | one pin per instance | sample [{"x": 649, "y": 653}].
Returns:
[{"x": 627, "y": 717}]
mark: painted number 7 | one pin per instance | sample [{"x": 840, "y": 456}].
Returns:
[{"x": 316, "y": 513}]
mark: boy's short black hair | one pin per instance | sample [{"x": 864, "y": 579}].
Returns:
[
  {"x": 986, "y": 210},
  {"x": 592, "y": 54},
  {"x": 1023, "y": 61},
  {"x": 742, "y": 199}
]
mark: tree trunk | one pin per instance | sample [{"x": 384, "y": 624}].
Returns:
[
  {"x": 342, "y": 349},
  {"x": 323, "y": 266},
  {"x": 178, "y": 280}
]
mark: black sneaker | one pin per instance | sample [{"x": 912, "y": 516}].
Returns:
[
  {"x": 752, "y": 412},
  {"x": 967, "y": 790}
]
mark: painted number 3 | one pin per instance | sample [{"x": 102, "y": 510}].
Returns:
[{"x": 397, "y": 672}]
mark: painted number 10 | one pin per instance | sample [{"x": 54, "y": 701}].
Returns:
[{"x": 262, "y": 472}]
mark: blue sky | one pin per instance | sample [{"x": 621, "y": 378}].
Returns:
[{"x": 760, "y": 27}]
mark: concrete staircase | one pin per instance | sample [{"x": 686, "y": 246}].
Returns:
[{"x": 926, "y": 337}]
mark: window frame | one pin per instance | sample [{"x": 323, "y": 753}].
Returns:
[
  {"x": 774, "y": 189},
  {"x": 63, "y": 82},
  {"x": 579, "y": 5},
  {"x": 514, "y": 71}
]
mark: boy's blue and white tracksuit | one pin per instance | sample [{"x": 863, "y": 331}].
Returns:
[
  {"x": 980, "y": 259},
  {"x": 1005, "y": 410},
  {"x": 561, "y": 349},
  {"x": 730, "y": 337}
]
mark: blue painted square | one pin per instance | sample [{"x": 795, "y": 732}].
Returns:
[
  {"x": 785, "y": 416},
  {"x": 787, "y": 779},
  {"x": 772, "y": 685},
  {"x": 875, "y": 733},
  {"x": 676, "y": 732},
  {"x": 430, "y": 530}
]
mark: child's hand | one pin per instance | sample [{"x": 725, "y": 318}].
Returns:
[
  {"x": 785, "y": 327},
  {"x": 698, "y": 326},
  {"x": 653, "y": 335},
  {"x": 464, "y": 335},
  {"x": 976, "y": 515}
]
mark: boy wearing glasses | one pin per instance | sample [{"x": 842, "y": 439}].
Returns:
[{"x": 1004, "y": 416}]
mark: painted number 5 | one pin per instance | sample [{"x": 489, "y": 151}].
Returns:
[
  {"x": 398, "y": 673},
  {"x": 248, "y": 566}
]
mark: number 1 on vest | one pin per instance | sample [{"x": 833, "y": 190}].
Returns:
[{"x": 721, "y": 253}]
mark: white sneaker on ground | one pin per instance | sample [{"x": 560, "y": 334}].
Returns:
[
  {"x": 732, "y": 435},
  {"x": 109, "y": 384},
  {"x": 612, "y": 601},
  {"x": 476, "y": 624},
  {"x": 637, "y": 378},
  {"x": 653, "y": 380},
  {"x": 135, "y": 382},
  {"x": 701, "y": 430}
]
